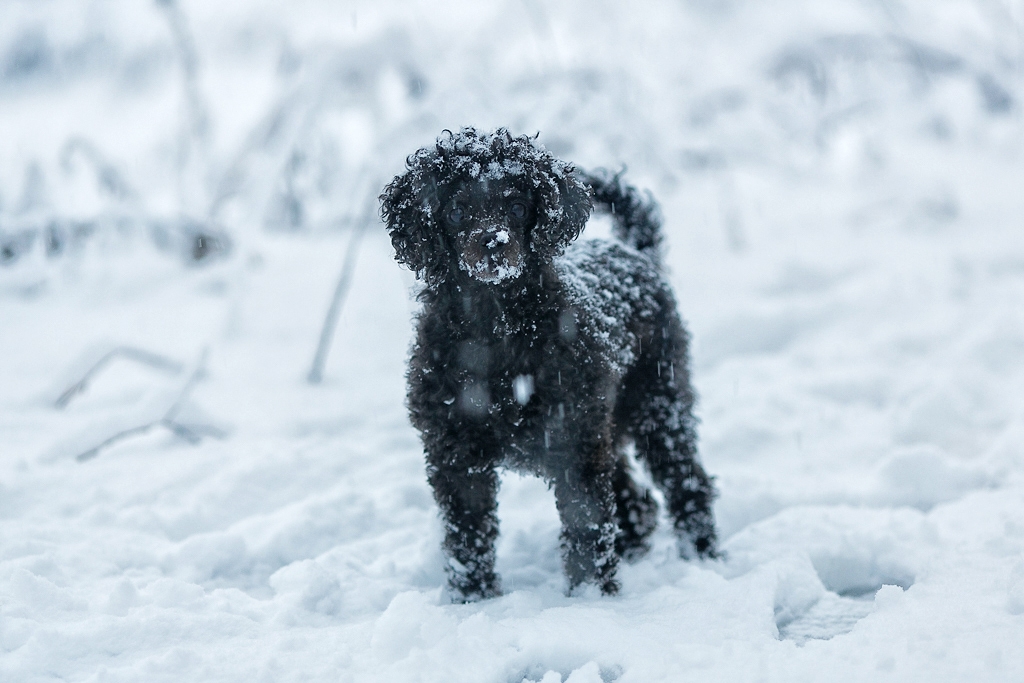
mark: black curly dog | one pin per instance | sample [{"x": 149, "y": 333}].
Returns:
[{"x": 543, "y": 359}]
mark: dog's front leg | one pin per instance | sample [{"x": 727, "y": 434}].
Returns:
[
  {"x": 468, "y": 498},
  {"x": 586, "y": 505}
]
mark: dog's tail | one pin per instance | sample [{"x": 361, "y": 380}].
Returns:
[{"x": 636, "y": 217}]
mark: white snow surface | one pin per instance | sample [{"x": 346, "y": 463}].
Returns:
[{"x": 841, "y": 189}]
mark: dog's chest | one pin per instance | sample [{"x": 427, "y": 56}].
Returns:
[
  {"x": 526, "y": 387},
  {"x": 502, "y": 376}
]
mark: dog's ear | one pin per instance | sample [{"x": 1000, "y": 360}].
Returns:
[
  {"x": 563, "y": 208},
  {"x": 408, "y": 206}
]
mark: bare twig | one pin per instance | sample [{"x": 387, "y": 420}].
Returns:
[
  {"x": 316, "y": 372},
  {"x": 95, "y": 450},
  {"x": 108, "y": 176},
  {"x": 194, "y": 135},
  {"x": 198, "y": 370},
  {"x": 142, "y": 356},
  {"x": 192, "y": 433}
]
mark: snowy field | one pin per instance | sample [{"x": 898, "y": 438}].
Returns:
[{"x": 841, "y": 183}]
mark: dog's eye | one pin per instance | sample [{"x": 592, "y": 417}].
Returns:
[
  {"x": 518, "y": 209},
  {"x": 456, "y": 215}
]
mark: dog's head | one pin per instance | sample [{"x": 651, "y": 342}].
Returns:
[{"x": 487, "y": 204}]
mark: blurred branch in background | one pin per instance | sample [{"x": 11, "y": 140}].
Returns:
[
  {"x": 348, "y": 266},
  {"x": 846, "y": 99},
  {"x": 170, "y": 408},
  {"x": 98, "y": 358},
  {"x": 109, "y": 179},
  {"x": 194, "y": 239},
  {"x": 294, "y": 171},
  {"x": 194, "y": 135},
  {"x": 303, "y": 165}
]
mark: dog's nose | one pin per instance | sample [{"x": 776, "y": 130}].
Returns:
[{"x": 494, "y": 240}]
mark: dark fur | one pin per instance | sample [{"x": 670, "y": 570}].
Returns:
[{"x": 542, "y": 361}]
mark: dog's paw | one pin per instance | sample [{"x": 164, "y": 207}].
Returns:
[
  {"x": 591, "y": 587},
  {"x": 699, "y": 548},
  {"x": 707, "y": 549},
  {"x": 465, "y": 590}
]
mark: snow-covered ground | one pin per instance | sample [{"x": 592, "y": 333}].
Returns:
[{"x": 841, "y": 186}]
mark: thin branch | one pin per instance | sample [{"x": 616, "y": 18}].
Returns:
[
  {"x": 95, "y": 450},
  {"x": 316, "y": 372},
  {"x": 108, "y": 176},
  {"x": 198, "y": 370},
  {"x": 191, "y": 434},
  {"x": 194, "y": 433},
  {"x": 184, "y": 432},
  {"x": 194, "y": 134},
  {"x": 138, "y": 355}
]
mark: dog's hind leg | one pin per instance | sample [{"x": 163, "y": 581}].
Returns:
[
  {"x": 656, "y": 409},
  {"x": 468, "y": 498},
  {"x": 586, "y": 505},
  {"x": 666, "y": 441},
  {"x": 636, "y": 511},
  {"x": 670, "y": 454}
]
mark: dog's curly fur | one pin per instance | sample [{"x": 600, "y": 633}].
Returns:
[{"x": 544, "y": 359}]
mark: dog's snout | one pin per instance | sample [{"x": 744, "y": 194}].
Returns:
[{"x": 495, "y": 239}]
